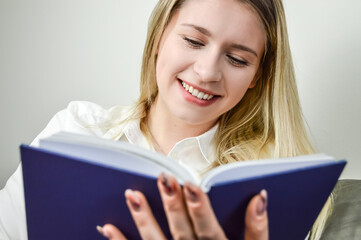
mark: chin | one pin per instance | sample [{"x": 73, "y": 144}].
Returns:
[{"x": 195, "y": 119}]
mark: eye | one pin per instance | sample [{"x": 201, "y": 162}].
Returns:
[
  {"x": 193, "y": 43},
  {"x": 237, "y": 62}
]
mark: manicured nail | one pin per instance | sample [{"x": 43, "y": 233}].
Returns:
[
  {"x": 102, "y": 231},
  {"x": 166, "y": 183},
  {"x": 190, "y": 192},
  {"x": 133, "y": 199},
  {"x": 262, "y": 203}
]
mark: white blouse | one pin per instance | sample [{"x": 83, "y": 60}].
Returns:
[{"x": 195, "y": 153}]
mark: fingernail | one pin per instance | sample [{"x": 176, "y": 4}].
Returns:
[
  {"x": 166, "y": 183},
  {"x": 102, "y": 231},
  {"x": 133, "y": 199},
  {"x": 190, "y": 192},
  {"x": 262, "y": 203}
]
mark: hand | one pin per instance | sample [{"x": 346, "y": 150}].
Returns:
[{"x": 189, "y": 214}]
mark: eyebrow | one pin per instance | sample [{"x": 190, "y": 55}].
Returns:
[
  {"x": 198, "y": 28},
  {"x": 208, "y": 34},
  {"x": 244, "y": 48}
]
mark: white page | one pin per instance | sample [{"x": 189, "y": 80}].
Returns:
[
  {"x": 247, "y": 169},
  {"x": 108, "y": 153}
]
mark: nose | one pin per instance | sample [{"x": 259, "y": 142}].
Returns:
[{"x": 207, "y": 67}]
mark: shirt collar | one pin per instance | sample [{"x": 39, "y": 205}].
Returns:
[
  {"x": 134, "y": 135},
  {"x": 131, "y": 131},
  {"x": 204, "y": 144}
]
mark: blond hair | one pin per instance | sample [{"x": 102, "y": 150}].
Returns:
[
  {"x": 161, "y": 15},
  {"x": 268, "y": 121}
]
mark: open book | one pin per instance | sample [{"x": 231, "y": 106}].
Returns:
[{"x": 73, "y": 183}]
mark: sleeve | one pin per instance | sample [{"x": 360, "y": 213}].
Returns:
[{"x": 12, "y": 205}]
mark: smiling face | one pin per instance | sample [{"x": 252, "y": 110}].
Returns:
[{"x": 208, "y": 57}]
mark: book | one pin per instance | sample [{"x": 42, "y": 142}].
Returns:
[{"x": 72, "y": 183}]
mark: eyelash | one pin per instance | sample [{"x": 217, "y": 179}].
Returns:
[
  {"x": 234, "y": 61},
  {"x": 193, "y": 43}
]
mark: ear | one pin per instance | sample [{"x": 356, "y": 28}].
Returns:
[
  {"x": 257, "y": 76},
  {"x": 253, "y": 83}
]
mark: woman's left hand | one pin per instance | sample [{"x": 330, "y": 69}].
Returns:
[{"x": 189, "y": 214}]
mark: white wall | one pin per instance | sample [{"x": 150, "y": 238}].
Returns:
[
  {"x": 325, "y": 37},
  {"x": 52, "y": 52}
]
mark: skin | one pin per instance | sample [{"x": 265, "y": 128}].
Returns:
[{"x": 215, "y": 46}]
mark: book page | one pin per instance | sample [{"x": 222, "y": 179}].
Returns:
[
  {"x": 248, "y": 169},
  {"x": 114, "y": 154}
]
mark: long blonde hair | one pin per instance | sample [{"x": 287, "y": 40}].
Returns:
[{"x": 268, "y": 121}]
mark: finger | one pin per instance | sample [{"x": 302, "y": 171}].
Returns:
[
  {"x": 142, "y": 215},
  {"x": 256, "y": 218},
  {"x": 172, "y": 197},
  {"x": 204, "y": 221},
  {"x": 111, "y": 232}
]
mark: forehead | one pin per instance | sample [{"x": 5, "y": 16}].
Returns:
[{"x": 227, "y": 19}]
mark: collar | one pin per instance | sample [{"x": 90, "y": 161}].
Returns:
[{"x": 202, "y": 144}]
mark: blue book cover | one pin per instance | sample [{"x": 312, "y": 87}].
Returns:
[{"x": 66, "y": 196}]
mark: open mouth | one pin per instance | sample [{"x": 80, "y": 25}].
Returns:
[{"x": 196, "y": 92}]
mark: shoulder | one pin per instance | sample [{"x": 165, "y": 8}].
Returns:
[
  {"x": 85, "y": 118},
  {"x": 88, "y": 114}
]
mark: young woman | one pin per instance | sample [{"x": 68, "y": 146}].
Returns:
[
  {"x": 217, "y": 86},
  {"x": 222, "y": 65}
]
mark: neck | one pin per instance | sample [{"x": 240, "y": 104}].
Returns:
[{"x": 166, "y": 130}]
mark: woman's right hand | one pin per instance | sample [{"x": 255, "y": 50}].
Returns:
[{"x": 189, "y": 214}]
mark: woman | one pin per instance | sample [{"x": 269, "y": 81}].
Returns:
[
  {"x": 237, "y": 53},
  {"x": 217, "y": 86}
]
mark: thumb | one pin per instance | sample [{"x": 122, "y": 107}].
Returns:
[
  {"x": 256, "y": 218},
  {"x": 111, "y": 232}
]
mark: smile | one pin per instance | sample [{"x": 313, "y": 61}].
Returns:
[{"x": 197, "y": 93}]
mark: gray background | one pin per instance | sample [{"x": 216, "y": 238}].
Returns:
[{"x": 53, "y": 52}]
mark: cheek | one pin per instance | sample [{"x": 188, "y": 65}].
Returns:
[
  {"x": 240, "y": 83},
  {"x": 171, "y": 59},
  {"x": 237, "y": 93}
]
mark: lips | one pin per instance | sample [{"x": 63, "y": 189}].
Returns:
[{"x": 198, "y": 93}]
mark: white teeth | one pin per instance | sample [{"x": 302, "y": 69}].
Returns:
[
  {"x": 196, "y": 92},
  {"x": 190, "y": 89}
]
